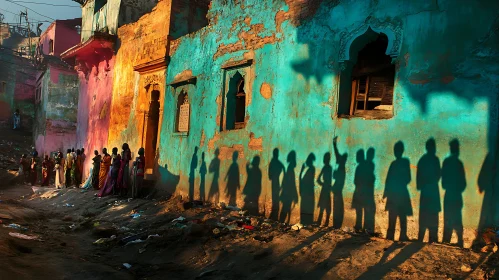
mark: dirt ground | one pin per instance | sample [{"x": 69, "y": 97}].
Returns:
[{"x": 208, "y": 242}]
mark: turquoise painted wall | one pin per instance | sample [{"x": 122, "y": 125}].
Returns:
[{"x": 446, "y": 87}]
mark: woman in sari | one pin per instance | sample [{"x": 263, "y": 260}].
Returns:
[
  {"x": 94, "y": 174},
  {"x": 104, "y": 168},
  {"x": 124, "y": 173},
  {"x": 24, "y": 168},
  {"x": 112, "y": 178},
  {"x": 68, "y": 165},
  {"x": 59, "y": 170},
  {"x": 78, "y": 169},
  {"x": 34, "y": 168},
  {"x": 46, "y": 170},
  {"x": 138, "y": 173}
]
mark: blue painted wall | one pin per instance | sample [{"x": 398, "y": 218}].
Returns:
[{"x": 446, "y": 87}]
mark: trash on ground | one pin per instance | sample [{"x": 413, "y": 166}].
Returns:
[
  {"x": 134, "y": 242},
  {"x": 248, "y": 227},
  {"x": 216, "y": 231},
  {"x": 69, "y": 205},
  {"x": 127, "y": 265},
  {"x": 24, "y": 236},
  {"x": 179, "y": 219},
  {"x": 131, "y": 238},
  {"x": 153, "y": 236},
  {"x": 73, "y": 226},
  {"x": 15, "y": 226},
  {"x": 105, "y": 240},
  {"x": 233, "y": 208},
  {"x": 297, "y": 226},
  {"x": 135, "y": 215}
]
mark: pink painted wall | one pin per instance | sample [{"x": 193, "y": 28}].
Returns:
[
  {"x": 66, "y": 35},
  {"x": 47, "y": 35},
  {"x": 63, "y": 33},
  {"x": 94, "y": 110}
]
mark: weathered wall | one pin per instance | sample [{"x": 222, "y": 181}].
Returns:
[
  {"x": 48, "y": 34},
  {"x": 113, "y": 15},
  {"x": 445, "y": 88},
  {"x": 141, "y": 42},
  {"x": 19, "y": 76},
  {"x": 66, "y": 35},
  {"x": 93, "y": 107},
  {"x": 55, "y": 126}
]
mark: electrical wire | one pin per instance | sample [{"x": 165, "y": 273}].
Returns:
[
  {"x": 47, "y": 4},
  {"x": 10, "y": 1},
  {"x": 9, "y": 12}
]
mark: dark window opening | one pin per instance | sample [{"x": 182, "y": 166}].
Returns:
[
  {"x": 236, "y": 103},
  {"x": 99, "y": 4},
  {"x": 51, "y": 46},
  {"x": 3, "y": 87},
  {"x": 367, "y": 86},
  {"x": 183, "y": 113}
]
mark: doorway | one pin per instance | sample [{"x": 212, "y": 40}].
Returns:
[{"x": 152, "y": 131}]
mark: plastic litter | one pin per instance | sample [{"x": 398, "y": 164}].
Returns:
[
  {"x": 127, "y": 265},
  {"x": 248, "y": 227},
  {"x": 23, "y": 236},
  {"x": 105, "y": 240},
  {"x": 135, "y": 215},
  {"x": 179, "y": 219},
  {"x": 69, "y": 205},
  {"x": 73, "y": 226},
  {"x": 153, "y": 236},
  {"x": 297, "y": 226},
  {"x": 15, "y": 226},
  {"x": 135, "y": 242}
]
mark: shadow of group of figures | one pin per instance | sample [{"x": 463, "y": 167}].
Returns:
[{"x": 286, "y": 194}]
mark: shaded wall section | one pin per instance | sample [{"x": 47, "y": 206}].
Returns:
[
  {"x": 17, "y": 88},
  {"x": 292, "y": 55},
  {"x": 55, "y": 126}
]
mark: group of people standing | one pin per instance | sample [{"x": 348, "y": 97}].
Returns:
[{"x": 110, "y": 173}]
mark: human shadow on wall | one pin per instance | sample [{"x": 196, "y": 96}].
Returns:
[
  {"x": 363, "y": 196},
  {"x": 339, "y": 183},
  {"x": 398, "y": 199},
  {"x": 276, "y": 168},
  {"x": 454, "y": 184},
  {"x": 214, "y": 194},
  {"x": 289, "y": 193},
  {"x": 192, "y": 173},
  {"x": 325, "y": 181},
  {"x": 253, "y": 187},
  {"x": 232, "y": 179},
  {"x": 488, "y": 186},
  {"x": 307, "y": 182},
  {"x": 168, "y": 180},
  {"x": 202, "y": 175},
  {"x": 427, "y": 178}
]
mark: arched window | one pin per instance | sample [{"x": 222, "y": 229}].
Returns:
[
  {"x": 183, "y": 112},
  {"x": 366, "y": 88},
  {"x": 236, "y": 103}
]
